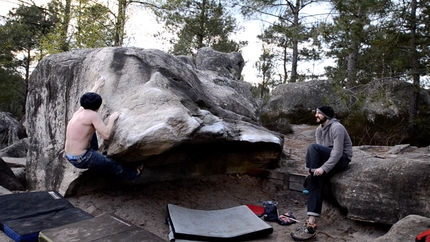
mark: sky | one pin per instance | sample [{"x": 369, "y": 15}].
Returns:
[
  {"x": 142, "y": 36},
  {"x": 141, "y": 26}
]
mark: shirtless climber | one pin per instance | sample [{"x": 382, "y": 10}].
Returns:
[{"x": 81, "y": 145}]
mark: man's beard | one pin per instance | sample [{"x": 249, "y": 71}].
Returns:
[{"x": 321, "y": 120}]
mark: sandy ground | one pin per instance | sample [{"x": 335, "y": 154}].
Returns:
[{"x": 145, "y": 205}]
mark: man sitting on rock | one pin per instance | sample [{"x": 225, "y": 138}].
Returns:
[
  {"x": 330, "y": 155},
  {"x": 81, "y": 145}
]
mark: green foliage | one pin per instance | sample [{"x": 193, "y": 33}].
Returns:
[
  {"x": 85, "y": 25},
  {"x": 23, "y": 30},
  {"x": 259, "y": 92},
  {"x": 7, "y": 57},
  {"x": 350, "y": 35},
  {"x": 12, "y": 97},
  {"x": 288, "y": 34},
  {"x": 198, "y": 23},
  {"x": 93, "y": 28},
  {"x": 266, "y": 70},
  {"x": 419, "y": 134},
  {"x": 372, "y": 39},
  {"x": 381, "y": 131},
  {"x": 19, "y": 38}
]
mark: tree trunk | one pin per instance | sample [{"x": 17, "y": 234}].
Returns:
[
  {"x": 66, "y": 21},
  {"x": 414, "y": 66},
  {"x": 354, "y": 47},
  {"x": 27, "y": 77},
  {"x": 201, "y": 33},
  {"x": 352, "y": 62},
  {"x": 263, "y": 86},
  {"x": 295, "y": 43},
  {"x": 120, "y": 23},
  {"x": 284, "y": 80}
]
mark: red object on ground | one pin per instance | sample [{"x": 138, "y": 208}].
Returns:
[
  {"x": 258, "y": 210},
  {"x": 423, "y": 237}
]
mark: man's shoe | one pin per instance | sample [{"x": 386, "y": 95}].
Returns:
[
  {"x": 305, "y": 232},
  {"x": 312, "y": 228}
]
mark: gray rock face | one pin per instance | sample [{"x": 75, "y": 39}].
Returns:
[
  {"x": 8, "y": 179},
  {"x": 10, "y": 130},
  {"x": 406, "y": 229},
  {"x": 302, "y": 96},
  {"x": 385, "y": 184},
  {"x": 390, "y": 98},
  {"x": 225, "y": 65},
  {"x": 180, "y": 121},
  {"x": 17, "y": 149}
]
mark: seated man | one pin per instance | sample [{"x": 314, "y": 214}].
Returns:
[
  {"x": 81, "y": 145},
  {"x": 331, "y": 154}
]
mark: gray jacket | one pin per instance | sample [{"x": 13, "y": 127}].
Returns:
[{"x": 335, "y": 136}]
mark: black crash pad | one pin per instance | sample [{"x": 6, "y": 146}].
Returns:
[
  {"x": 28, "y": 228},
  {"x": 22, "y": 205},
  {"x": 106, "y": 228},
  {"x": 23, "y": 215},
  {"x": 231, "y": 224}
]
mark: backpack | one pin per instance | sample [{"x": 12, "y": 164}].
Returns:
[{"x": 270, "y": 211}]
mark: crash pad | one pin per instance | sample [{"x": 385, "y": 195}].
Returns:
[
  {"x": 24, "y": 215},
  {"x": 106, "y": 228},
  {"x": 21, "y": 205},
  {"x": 28, "y": 228},
  {"x": 231, "y": 224}
]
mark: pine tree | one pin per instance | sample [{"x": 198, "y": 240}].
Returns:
[
  {"x": 198, "y": 23},
  {"x": 286, "y": 32},
  {"x": 355, "y": 24},
  {"x": 83, "y": 24},
  {"x": 19, "y": 37}
]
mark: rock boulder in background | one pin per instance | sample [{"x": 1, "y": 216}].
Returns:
[{"x": 11, "y": 130}]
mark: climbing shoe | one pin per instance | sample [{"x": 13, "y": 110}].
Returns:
[{"x": 305, "y": 232}]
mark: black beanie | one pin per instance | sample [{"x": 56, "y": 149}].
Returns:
[
  {"x": 327, "y": 111},
  {"x": 91, "y": 100}
]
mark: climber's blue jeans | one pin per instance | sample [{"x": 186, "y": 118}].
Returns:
[
  {"x": 92, "y": 159},
  {"x": 316, "y": 156}
]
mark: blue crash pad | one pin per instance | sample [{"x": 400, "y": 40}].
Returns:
[{"x": 24, "y": 215}]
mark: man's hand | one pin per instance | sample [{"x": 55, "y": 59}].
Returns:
[
  {"x": 99, "y": 83},
  {"x": 318, "y": 172},
  {"x": 114, "y": 116}
]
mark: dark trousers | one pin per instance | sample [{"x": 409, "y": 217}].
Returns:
[
  {"x": 93, "y": 159},
  {"x": 316, "y": 156}
]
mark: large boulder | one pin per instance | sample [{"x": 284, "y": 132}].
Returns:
[
  {"x": 406, "y": 229},
  {"x": 8, "y": 179},
  {"x": 378, "y": 112},
  {"x": 18, "y": 149},
  {"x": 178, "y": 120},
  {"x": 226, "y": 65},
  {"x": 296, "y": 102},
  {"x": 388, "y": 97},
  {"x": 384, "y": 184},
  {"x": 302, "y": 96},
  {"x": 11, "y": 130}
]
